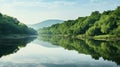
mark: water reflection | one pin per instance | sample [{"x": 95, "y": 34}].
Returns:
[
  {"x": 108, "y": 50},
  {"x": 9, "y": 46}
]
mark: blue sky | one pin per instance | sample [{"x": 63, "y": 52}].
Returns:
[{"x": 34, "y": 11}]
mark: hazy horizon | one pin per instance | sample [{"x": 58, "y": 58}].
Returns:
[{"x": 35, "y": 11}]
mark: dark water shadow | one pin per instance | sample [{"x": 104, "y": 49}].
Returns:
[{"x": 9, "y": 46}]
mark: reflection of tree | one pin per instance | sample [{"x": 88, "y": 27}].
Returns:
[
  {"x": 8, "y": 46},
  {"x": 109, "y": 50}
]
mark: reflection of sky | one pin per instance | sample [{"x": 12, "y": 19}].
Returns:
[
  {"x": 45, "y": 44},
  {"x": 34, "y": 55}
]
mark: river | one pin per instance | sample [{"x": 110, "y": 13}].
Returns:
[{"x": 58, "y": 52}]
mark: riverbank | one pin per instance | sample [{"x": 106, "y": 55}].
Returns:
[
  {"x": 16, "y": 36},
  {"x": 98, "y": 37}
]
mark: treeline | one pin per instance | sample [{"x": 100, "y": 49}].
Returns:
[
  {"x": 97, "y": 23},
  {"x": 10, "y": 25}
]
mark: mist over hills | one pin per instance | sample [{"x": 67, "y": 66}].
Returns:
[{"x": 46, "y": 23}]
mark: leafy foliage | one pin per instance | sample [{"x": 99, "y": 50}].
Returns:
[
  {"x": 10, "y": 25},
  {"x": 97, "y": 23}
]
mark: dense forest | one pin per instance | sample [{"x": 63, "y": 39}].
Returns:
[
  {"x": 10, "y": 25},
  {"x": 108, "y": 50},
  {"x": 106, "y": 23}
]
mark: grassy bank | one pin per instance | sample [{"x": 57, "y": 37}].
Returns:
[{"x": 99, "y": 37}]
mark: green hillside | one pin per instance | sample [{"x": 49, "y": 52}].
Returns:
[
  {"x": 10, "y": 25},
  {"x": 106, "y": 23}
]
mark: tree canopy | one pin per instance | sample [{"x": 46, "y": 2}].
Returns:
[
  {"x": 97, "y": 23},
  {"x": 10, "y": 25}
]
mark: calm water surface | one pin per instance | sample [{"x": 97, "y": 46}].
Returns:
[{"x": 58, "y": 52}]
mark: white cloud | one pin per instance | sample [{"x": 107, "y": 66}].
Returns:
[
  {"x": 39, "y": 4},
  {"x": 29, "y": 16},
  {"x": 94, "y": 0},
  {"x": 1, "y": 0},
  {"x": 34, "y": 11}
]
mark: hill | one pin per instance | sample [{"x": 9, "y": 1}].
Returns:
[
  {"x": 106, "y": 23},
  {"x": 10, "y": 25},
  {"x": 46, "y": 23}
]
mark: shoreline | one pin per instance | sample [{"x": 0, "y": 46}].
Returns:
[
  {"x": 98, "y": 37},
  {"x": 16, "y": 36}
]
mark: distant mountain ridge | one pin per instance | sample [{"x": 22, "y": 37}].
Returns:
[{"x": 46, "y": 23}]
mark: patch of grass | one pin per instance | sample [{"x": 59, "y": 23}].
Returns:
[{"x": 105, "y": 37}]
